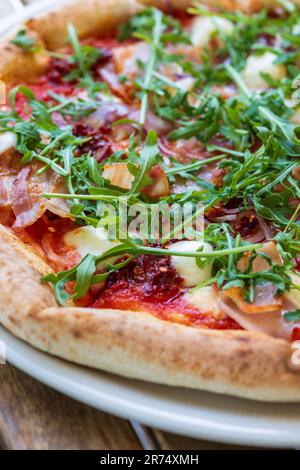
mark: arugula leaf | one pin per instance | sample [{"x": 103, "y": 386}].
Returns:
[
  {"x": 155, "y": 40},
  {"x": 292, "y": 316},
  {"x": 59, "y": 282},
  {"x": 140, "y": 164},
  {"x": 24, "y": 41},
  {"x": 84, "y": 275},
  {"x": 84, "y": 56},
  {"x": 157, "y": 30},
  {"x": 84, "y": 272},
  {"x": 249, "y": 136}
]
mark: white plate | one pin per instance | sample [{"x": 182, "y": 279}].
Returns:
[
  {"x": 10, "y": 21},
  {"x": 196, "y": 414}
]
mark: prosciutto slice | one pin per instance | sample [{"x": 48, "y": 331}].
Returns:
[
  {"x": 28, "y": 203},
  {"x": 270, "y": 323},
  {"x": 22, "y": 189}
]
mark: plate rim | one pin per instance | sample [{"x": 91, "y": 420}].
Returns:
[
  {"x": 116, "y": 407},
  {"x": 166, "y": 420}
]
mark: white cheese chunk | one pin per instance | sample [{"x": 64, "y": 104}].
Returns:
[
  {"x": 89, "y": 240},
  {"x": 185, "y": 84},
  {"x": 205, "y": 26},
  {"x": 186, "y": 266},
  {"x": 126, "y": 58},
  {"x": 258, "y": 64},
  {"x": 8, "y": 140}
]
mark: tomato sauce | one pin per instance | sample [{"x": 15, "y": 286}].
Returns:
[
  {"x": 47, "y": 234},
  {"x": 148, "y": 283},
  {"x": 151, "y": 284},
  {"x": 124, "y": 296}
]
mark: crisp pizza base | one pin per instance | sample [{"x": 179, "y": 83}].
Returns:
[
  {"x": 132, "y": 344},
  {"x": 247, "y": 6}
]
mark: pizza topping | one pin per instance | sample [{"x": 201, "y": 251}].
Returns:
[
  {"x": 264, "y": 299},
  {"x": 293, "y": 295},
  {"x": 22, "y": 189},
  {"x": 127, "y": 58},
  {"x": 150, "y": 283},
  {"x": 260, "y": 66},
  {"x": 119, "y": 175},
  {"x": 206, "y": 298},
  {"x": 266, "y": 255},
  {"x": 205, "y": 27},
  {"x": 107, "y": 113},
  {"x": 271, "y": 323},
  {"x": 171, "y": 112},
  {"x": 187, "y": 268},
  {"x": 7, "y": 141}
]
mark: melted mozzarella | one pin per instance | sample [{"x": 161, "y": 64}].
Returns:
[
  {"x": 206, "y": 300},
  {"x": 184, "y": 84},
  {"x": 186, "y": 266},
  {"x": 8, "y": 140},
  {"x": 258, "y": 64},
  {"x": 126, "y": 58},
  {"x": 271, "y": 323},
  {"x": 205, "y": 26},
  {"x": 293, "y": 295},
  {"x": 89, "y": 240}
]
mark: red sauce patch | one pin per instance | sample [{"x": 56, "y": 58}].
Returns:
[
  {"x": 47, "y": 234},
  {"x": 98, "y": 143},
  {"x": 151, "y": 284},
  {"x": 296, "y": 334},
  {"x": 148, "y": 283}
]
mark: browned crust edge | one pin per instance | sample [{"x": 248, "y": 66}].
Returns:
[
  {"x": 92, "y": 17},
  {"x": 17, "y": 64},
  {"x": 138, "y": 345},
  {"x": 132, "y": 344},
  {"x": 247, "y": 6}
]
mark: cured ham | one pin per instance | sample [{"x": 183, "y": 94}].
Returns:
[
  {"x": 265, "y": 299},
  {"x": 22, "y": 189},
  {"x": 271, "y": 323},
  {"x": 119, "y": 175}
]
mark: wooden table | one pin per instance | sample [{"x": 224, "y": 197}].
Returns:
[{"x": 32, "y": 416}]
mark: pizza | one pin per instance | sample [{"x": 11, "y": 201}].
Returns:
[{"x": 115, "y": 110}]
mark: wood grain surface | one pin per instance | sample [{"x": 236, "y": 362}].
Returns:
[{"x": 33, "y": 416}]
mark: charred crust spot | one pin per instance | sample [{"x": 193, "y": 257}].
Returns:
[{"x": 77, "y": 333}]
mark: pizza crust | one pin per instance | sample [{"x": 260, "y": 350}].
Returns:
[
  {"x": 247, "y": 6},
  {"x": 22, "y": 293},
  {"x": 93, "y": 17},
  {"x": 17, "y": 64},
  {"x": 132, "y": 344},
  {"x": 136, "y": 344}
]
